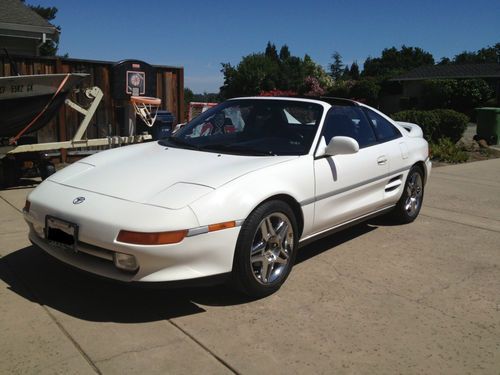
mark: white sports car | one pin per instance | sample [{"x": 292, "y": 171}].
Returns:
[{"x": 233, "y": 194}]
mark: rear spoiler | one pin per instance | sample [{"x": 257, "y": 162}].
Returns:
[{"x": 414, "y": 130}]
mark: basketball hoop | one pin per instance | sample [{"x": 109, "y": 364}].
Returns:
[{"x": 146, "y": 107}]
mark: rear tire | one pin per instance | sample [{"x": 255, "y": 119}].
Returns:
[
  {"x": 410, "y": 203},
  {"x": 265, "y": 250}
]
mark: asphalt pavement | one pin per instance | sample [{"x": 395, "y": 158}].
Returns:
[{"x": 374, "y": 299}]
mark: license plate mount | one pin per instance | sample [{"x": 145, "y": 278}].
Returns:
[{"x": 61, "y": 233}]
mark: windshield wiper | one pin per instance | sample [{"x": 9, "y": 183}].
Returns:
[
  {"x": 179, "y": 142},
  {"x": 235, "y": 149}
]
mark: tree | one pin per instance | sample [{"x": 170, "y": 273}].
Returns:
[
  {"x": 311, "y": 69},
  {"x": 255, "y": 73},
  {"x": 337, "y": 67},
  {"x": 269, "y": 71},
  {"x": 490, "y": 54},
  {"x": 207, "y": 97},
  {"x": 346, "y": 74},
  {"x": 49, "y": 48},
  {"x": 366, "y": 90},
  {"x": 271, "y": 51},
  {"x": 444, "y": 61},
  {"x": 394, "y": 62},
  {"x": 354, "y": 71},
  {"x": 48, "y": 13},
  {"x": 284, "y": 53}
]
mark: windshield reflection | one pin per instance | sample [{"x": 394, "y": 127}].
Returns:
[{"x": 252, "y": 127}]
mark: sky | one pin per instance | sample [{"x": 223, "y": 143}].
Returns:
[{"x": 200, "y": 35}]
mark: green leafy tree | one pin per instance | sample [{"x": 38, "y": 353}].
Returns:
[
  {"x": 444, "y": 61},
  {"x": 49, "y": 48},
  {"x": 395, "y": 61},
  {"x": 255, "y": 73},
  {"x": 366, "y": 90},
  {"x": 341, "y": 89},
  {"x": 270, "y": 71},
  {"x": 490, "y": 54}
]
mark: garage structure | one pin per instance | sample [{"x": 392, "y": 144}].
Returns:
[{"x": 413, "y": 81}]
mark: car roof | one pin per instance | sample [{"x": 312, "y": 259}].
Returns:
[{"x": 324, "y": 99}]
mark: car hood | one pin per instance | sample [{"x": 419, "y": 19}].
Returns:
[{"x": 154, "y": 174}]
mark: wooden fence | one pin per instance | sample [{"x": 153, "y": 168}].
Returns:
[{"x": 106, "y": 122}]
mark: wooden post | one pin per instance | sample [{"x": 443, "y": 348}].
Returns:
[{"x": 61, "y": 118}]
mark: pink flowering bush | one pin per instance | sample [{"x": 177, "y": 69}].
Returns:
[{"x": 313, "y": 87}]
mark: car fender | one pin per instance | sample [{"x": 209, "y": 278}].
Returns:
[{"x": 238, "y": 198}]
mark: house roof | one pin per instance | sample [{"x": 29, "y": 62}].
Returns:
[
  {"x": 14, "y": 15},
  {"x": 451, "y": 71}
]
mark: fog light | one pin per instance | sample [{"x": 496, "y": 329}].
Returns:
[{"x": 125, "y": 262}]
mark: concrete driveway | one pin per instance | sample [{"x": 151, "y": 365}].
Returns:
[{"x": 419, "y": 298}]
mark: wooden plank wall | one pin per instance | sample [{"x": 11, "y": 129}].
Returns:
[{"x": 170, "y": 89}]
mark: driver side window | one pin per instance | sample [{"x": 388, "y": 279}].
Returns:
[{"x": 348, "y": 121}]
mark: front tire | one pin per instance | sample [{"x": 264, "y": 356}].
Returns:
[
  {"x": 266, "y": 249},
  {"x": 410, "y": 203}
]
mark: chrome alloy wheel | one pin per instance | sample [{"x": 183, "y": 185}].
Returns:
[
  {"x": 414, "y": 192},
  {"x": 272, "y": 246}
]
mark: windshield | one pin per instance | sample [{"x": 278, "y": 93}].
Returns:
[{"x": 252, "y": 127}]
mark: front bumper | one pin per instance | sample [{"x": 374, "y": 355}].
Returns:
[
  {"x": 195, "y": 257},
  {"x": 99, "y": 220}
]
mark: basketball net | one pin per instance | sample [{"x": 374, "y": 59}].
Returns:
[{"x": 146, "y": 108}]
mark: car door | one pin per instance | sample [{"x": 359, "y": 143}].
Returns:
[
  {"x": 348, "y": 186},
  {"x": 396, "y": 150}
]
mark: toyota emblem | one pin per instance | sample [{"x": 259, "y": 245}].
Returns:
[{"x": 78, "y": 200}]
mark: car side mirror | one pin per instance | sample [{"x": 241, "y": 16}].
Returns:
[{"x": 342, "y": 145}]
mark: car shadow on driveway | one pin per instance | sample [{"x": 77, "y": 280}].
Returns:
[
  {"x": 36, "y": 276},
  {"x": 317, "y": 247},
  {"x": 42, "y": 279}
]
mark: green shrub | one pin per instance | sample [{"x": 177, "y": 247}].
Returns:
[
  {"x": 447, "y": 151},
  {"x": 452, "y": 124},
  {"x": 436, "y": 124}
]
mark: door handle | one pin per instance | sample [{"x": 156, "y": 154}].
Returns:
[{"x": 382, "y": 160}]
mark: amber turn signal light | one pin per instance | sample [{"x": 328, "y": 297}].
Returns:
[
  {"x": 158, "y": 238},
  {"x": 220, "y": 226}
]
